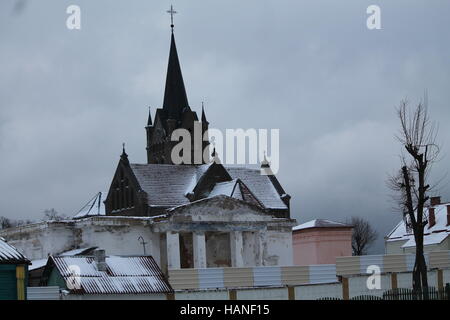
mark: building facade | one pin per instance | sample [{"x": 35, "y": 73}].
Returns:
[
  {"x": 436, "y": 233},
  {"x": 321, "y": 242},
  {"x": 195, "y": 214}
]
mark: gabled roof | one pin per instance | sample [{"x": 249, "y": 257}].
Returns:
[
  {"x": 260, "y": 185},
  {"x": 235, "y": 189},
  {"x": 432, "y": 235},
  {"x": 10, "y": 255},
  {"x": 123, "y": 275},
  {"x": 169, "y": 185},
  {"x": 320, "y": 223},
  {"x": 165, "y": 184}
]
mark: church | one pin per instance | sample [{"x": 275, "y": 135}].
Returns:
[{"x": 200, "y": 214}]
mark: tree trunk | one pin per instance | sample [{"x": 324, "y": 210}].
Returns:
[{"x": 420, "y": 275}]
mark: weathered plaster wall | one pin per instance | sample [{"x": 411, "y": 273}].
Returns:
[
  {"x": 37, "y": 241},
  {"x": 251, "y": 250},
  {"x": 277, "y": 247},
  {"x": 235, "y": 234},
  {"x": 218, "y": 250},
  {"x": 115, "y": 239},
  {"x": 186, "y": 250},
  {"x": 116, "y": 236}
]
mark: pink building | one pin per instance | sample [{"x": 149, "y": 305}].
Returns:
[{"x": 321, "y": 241}]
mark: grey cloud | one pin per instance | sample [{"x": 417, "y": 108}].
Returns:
[{"x": 70, "y": 98}]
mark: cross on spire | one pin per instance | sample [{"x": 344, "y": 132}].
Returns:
[{"x": 172, "y": 12}]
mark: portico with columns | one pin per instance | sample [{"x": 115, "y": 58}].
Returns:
[{"x": 223, "y": 232}]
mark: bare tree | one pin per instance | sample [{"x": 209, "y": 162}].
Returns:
[
  {"x": 410, "y": 186},
  {"x": 5, "y": 223},
  {"x": 363, "y": 236},
  {"x": 52, "y": 214}
]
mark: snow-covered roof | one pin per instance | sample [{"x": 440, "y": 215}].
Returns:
[
  {"x": 432, "y": 235},
  {"x": 228, "y": 188},
  {"x": 9, "y": 254},
  {"x": 320, "y": 223},
  {"x": 260, "y": 185},
  {"x": 40, "y": 263},
  {"x": 95, "y": 207},
  {"x": 168, "y": 185},
  {"x": 36, "y": 264},
  {"x": 77, "y": 252},
  {"x": 123, "y": 275}
]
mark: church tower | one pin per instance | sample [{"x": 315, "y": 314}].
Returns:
[{"x": 175, "y": 114}]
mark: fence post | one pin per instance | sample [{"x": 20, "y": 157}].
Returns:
[
  {"x": 447, "y": 290},
  {"x": 440, "y": 279},
  {"x": 345, "y": 289},
  {"x": 394, "y": 283},
  {"x": 291, "y": 293},
  {"x": 170, "y": 296}
]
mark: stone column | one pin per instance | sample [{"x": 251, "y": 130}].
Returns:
[
  {"x": 237, "y": 249},
  {"x": 199, "y": 248},
  {"x": 260, "y": 242},
  {"x": 173, "y": 250}
]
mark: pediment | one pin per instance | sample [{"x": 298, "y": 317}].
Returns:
[{"x": 220, "y": 208}]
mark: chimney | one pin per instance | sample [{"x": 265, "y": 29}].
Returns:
[
  {"x": 434, "y": 201},
  {"x": 100, "y": 259},
  {"x": 431, "y": 217},
  {"x": 448, "y": 215}
]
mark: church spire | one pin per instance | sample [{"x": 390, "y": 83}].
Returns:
[{"x": 175, "y": 98}]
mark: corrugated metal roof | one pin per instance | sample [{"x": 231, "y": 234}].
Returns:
[
  {"x": 9, "y": 254},
  {"x": 123, "y": 275}
]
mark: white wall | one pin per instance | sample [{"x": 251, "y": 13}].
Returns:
[
  {"x": 40, "y": 240},
  {"x": 314, "y": 292},
  {"x": 202, "y": 295},
  {"x": 266, "y": 294},
  {"x": 358, "y": 286},
  {"x": 116, "y": 240},
  {"x": 150, "y": 296}
]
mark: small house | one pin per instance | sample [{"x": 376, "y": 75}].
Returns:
[{"x": 13, "y": 273}]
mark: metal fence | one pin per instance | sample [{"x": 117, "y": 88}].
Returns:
[{"x": 430, "y": 293}]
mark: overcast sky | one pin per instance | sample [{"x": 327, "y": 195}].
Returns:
[{"x": 69, "y": 98}]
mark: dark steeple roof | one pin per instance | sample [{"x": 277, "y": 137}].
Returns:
[
  {"x": 175, "y": 98},
  {"x": 124, "y": 156},
  {"x": 203, "y": 115}
]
